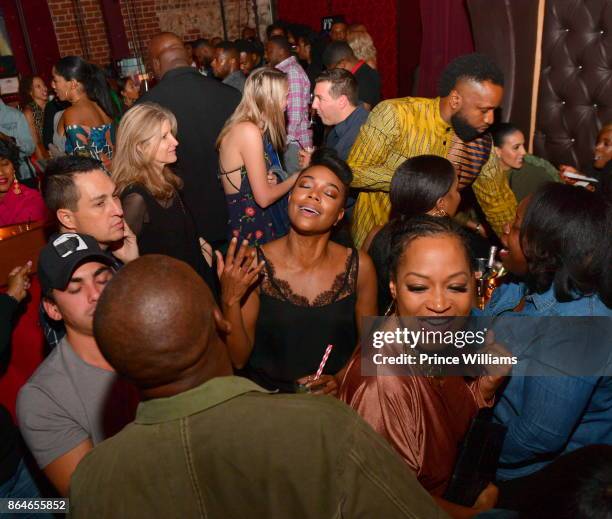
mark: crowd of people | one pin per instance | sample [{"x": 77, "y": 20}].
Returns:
[{"x": 220, "y": 234}]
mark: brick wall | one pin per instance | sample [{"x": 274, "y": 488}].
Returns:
[
  {"x": 190, "y": 19},
  {"x": 67, "y": 33}
]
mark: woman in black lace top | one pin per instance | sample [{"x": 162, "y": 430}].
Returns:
[{"x": 306, "y": 292}]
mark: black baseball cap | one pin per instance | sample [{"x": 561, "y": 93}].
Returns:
[{"x": 63, "y": 254}]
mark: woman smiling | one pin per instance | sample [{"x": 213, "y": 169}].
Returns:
[
  {"x": 312, "y": 293},
  {"x": 426, "y": 417}
]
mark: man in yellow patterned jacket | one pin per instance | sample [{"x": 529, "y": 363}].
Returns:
[{"x": 453, "y": 125}]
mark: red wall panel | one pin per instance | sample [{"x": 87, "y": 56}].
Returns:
[
  {"x": 40, "y": 32},
  {"x": 379, "y": 17},
  {"x": 11, "y": 18}
]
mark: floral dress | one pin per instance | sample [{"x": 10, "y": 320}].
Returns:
[{"x": 249, "y": 221}]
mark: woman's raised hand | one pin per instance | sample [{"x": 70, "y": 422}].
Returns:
[{"x": 237, "y": 272}]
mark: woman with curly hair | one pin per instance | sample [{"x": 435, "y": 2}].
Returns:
[{"x": 18, "y": 203}]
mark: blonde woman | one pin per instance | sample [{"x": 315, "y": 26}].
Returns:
[
  {"x": 363, "y": 47},
  {"x": 249, "y": 165},
  {"x": 149, "y": 189}
]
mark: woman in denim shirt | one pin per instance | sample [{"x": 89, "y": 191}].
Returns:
[{"x": 559, "y": 244}]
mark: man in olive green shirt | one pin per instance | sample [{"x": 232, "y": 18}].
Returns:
[{"x": 208, "y": 444}]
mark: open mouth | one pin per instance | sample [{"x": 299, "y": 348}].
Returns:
[{"x": 309, "y": 211}]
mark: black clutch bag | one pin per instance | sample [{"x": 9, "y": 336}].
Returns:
[{"x": 477, "y": 461}]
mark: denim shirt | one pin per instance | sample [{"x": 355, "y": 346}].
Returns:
[{"x": 549, "y": 416}]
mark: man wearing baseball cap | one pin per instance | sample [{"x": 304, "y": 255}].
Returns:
[
  {"x": 75, "y": 399},
  {"x": 83, "y": 198}
]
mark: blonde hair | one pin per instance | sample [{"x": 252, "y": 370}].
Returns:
[
  {"x": 138, "y": 138},
  {"x": 264, "y": 94},
  {"x": 363, "y": 46}
]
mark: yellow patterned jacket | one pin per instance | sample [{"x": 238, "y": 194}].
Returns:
[{"x": 399, "y": 129}]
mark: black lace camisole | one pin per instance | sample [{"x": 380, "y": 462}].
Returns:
[{"x": 292, "y": 334}]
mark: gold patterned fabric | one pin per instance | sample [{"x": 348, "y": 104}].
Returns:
[{"x": 399, "y": 129}]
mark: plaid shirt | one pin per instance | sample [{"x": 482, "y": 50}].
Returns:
[{"x": 297, "y": 102}]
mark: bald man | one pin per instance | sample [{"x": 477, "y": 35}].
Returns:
[
  {"x": 201, "y": 106},
  {"x": 209, "y": 444}
]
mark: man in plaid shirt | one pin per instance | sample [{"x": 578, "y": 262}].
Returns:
[{"x": 299, "y": 135}]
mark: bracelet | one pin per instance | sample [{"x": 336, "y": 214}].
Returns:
[{"x": 478, "y": 226}]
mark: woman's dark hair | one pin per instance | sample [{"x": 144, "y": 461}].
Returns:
[
  {"x": 91, "y": 77},
  {"x": 566, "y": 240},
  {"x": 25, "y": 89},
  {"x": 418, "y": 183},
  {"x": 328, "y": 157},
  {"x": 404, "y": 232},
  {"x": 501, "y": 131},
  {"x": 121, "y": 83},
  {"x": 9, "y": 150},
  {"x": 578, "y": 484}
]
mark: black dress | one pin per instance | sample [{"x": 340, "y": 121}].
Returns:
[
  {"x": 201, "y": 106},
  {"x": 291, "y": 334},
  {"x": 168, "y": 230}
]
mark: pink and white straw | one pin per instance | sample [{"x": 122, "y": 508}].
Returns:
[{"x": 323, "y": 361}]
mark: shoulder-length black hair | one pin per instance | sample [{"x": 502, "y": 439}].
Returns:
[
  {"x": 418, "y": 183},
  {"x": 91, "y": 77},
  {"x": 566, "y": 235}
]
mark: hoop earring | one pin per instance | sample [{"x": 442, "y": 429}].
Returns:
[
  {"x": 390, "y": 309},
  {"x": 439, "y": 212},
  {"x": 16, "y": 187}
]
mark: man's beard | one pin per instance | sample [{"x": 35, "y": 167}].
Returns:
[{"x": 463, "y": 129}]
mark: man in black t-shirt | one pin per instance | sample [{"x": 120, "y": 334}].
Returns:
[{"x": 339, "y": 54}]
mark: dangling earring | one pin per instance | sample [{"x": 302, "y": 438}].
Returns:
[
  {"x": 439, "y": 212},
  {"x": 390, "y": 309},
  {"x": 16, "y": 188}
]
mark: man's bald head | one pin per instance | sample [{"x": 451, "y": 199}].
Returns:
[
  {"x": 167, "y": 52},
  {"x": 157, "y": 326}
]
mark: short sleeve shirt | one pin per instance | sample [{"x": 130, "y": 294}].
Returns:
[{"x": 66, "y": 402}]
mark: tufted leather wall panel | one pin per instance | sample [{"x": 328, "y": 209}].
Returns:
[
  {"x": 575, "y": 88},
  {"x": 575, "y": 94},
  {"x": 511, "y": 44}
]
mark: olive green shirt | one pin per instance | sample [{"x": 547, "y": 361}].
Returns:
[
  {"x": 228, "y": 449},
  {"x": 534, "y": 173}
]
